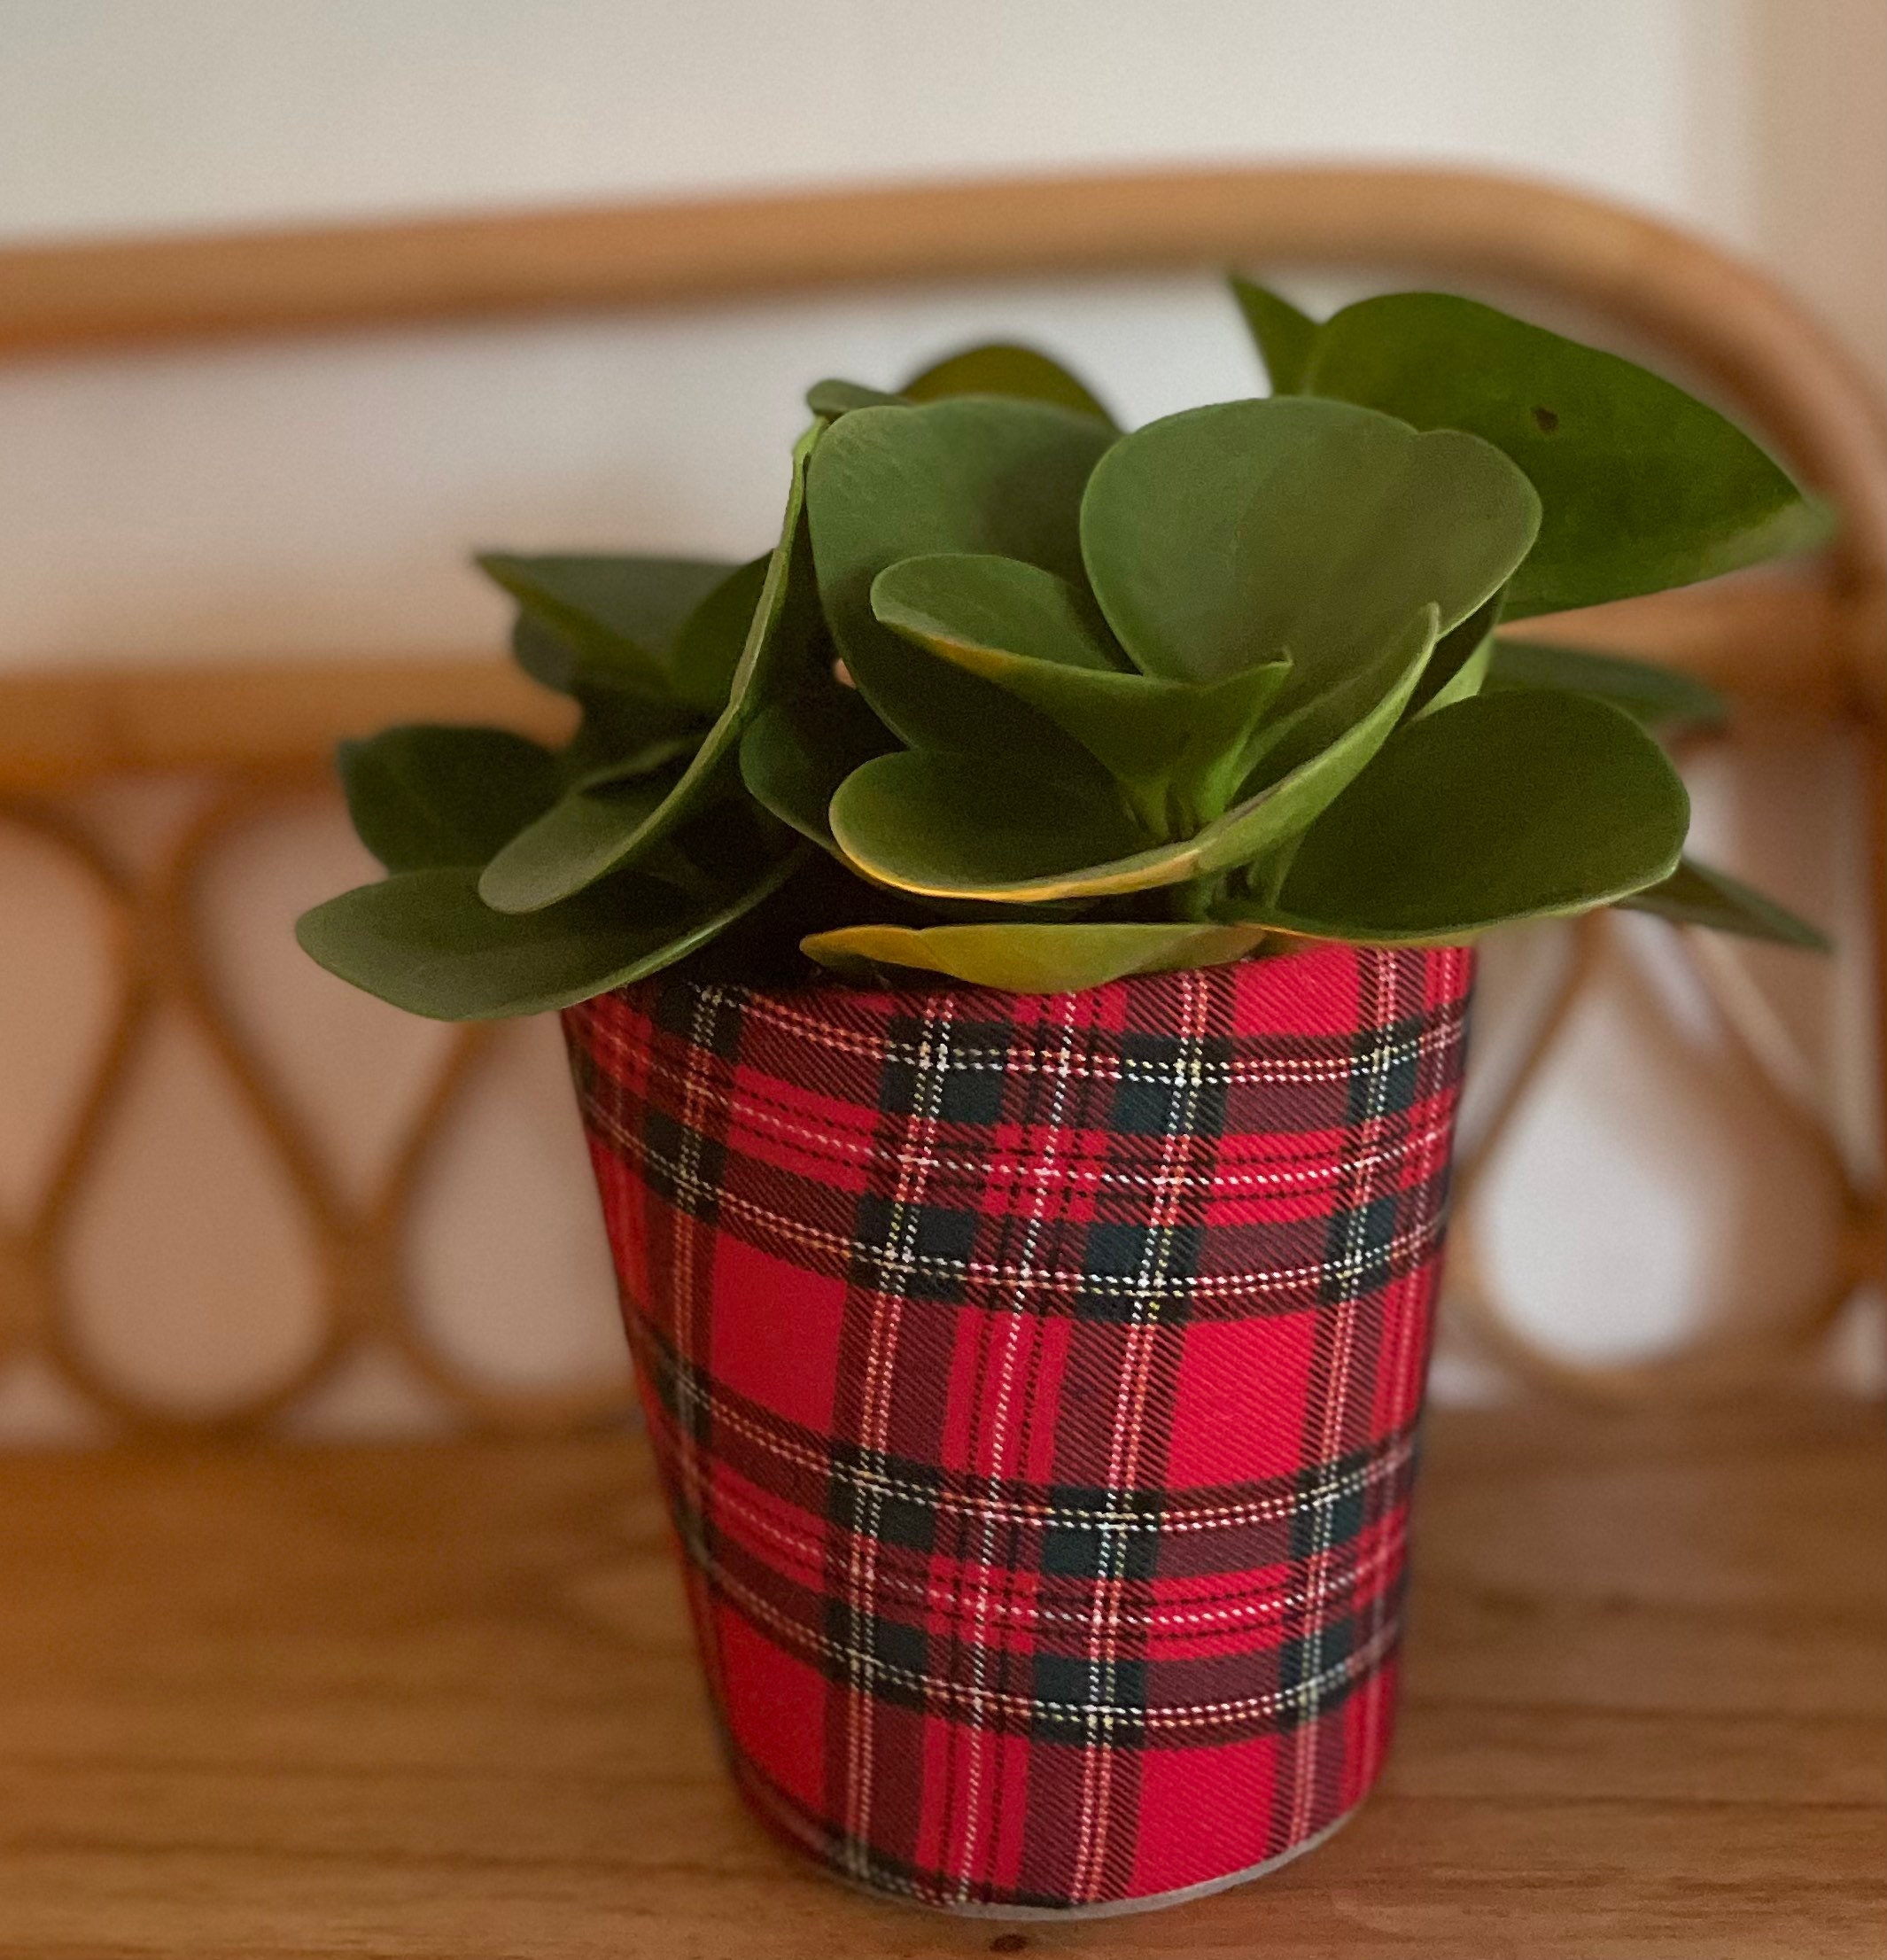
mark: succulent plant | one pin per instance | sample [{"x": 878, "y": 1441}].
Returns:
[{"x": 1023, "y": 699}]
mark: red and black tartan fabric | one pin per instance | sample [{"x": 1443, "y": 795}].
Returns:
[{"x": 1034, "y": 1382}]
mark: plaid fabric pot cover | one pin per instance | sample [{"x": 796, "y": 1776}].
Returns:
[{"x": 1034, "y": 1382}]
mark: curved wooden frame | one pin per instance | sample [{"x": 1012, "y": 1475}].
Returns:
[{"x": 1822, "y": 640}]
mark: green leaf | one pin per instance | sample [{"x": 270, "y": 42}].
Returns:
[
  {"x": 1502, "y": 807},
  {"x": 422, "y": 795},
  {"x": 1223, "y": 536},
  {"x": 583, "y": 828},
  {"x": 958, "y": 827},
  {"x": 971, "y": 828},
  {"x": 1290, "y": 740},
  {"x": 964, "y": 826},
  {"x": 1655, "y": 696},
  {"x": 594, "y": 832},
  {"x": 1174, "y": 747},
  {"x": 1002, "y": 369},
  {"x": 1458, "y": 669},
  {"x": 1285, "y": 337},
  {"x": 832, "y": 399},
  {"x": 970, "y": 474},
  {"x": 797, "y": 751},
  {"x": 612, "y": 620},
  {"x": 603, "y": 754},
  {"x": 1321, "y": 750},
  {"x": 962, "y": 603},
  {"x": 1467, "y": 680},
  {"x": 630, "y": 722},
  {"x": 708, "y": 647},
  {"x": 624, "y": 729},
  {"x": 1029, "y": 958},
  {"x": 547, "y": 656},
  {"x": 1698, "y": 895},
  {"x": 1644, "y": 486},
  {"x": 424, "y": 940},
  {"x": 998, "y": 368}
]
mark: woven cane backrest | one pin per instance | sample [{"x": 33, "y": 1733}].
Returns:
[{"x": 247, "y": 745}]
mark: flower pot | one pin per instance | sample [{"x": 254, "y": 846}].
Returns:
[{"x": 1034, "y": 1382}]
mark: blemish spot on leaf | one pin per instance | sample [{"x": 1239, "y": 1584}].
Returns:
[{"x": 1547, "y": 420}]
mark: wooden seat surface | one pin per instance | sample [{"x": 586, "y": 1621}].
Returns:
[{"x": 440, "y": 1700}]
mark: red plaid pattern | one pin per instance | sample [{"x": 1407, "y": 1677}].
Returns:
[{"x": 1034, "y": 1382}]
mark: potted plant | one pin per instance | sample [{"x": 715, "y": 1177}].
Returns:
[{"x": 1013, "y": 940}]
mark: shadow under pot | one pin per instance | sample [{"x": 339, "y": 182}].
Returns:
[{"x": 1034, "y": 1384}]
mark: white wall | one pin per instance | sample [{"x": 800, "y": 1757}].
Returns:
[
  {"x": 215, "y": 498},
  {"x": 116, "y": 114},
  {"x": 322, "y": 495}
]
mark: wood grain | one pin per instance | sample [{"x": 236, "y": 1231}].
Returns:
[
  {"x": 255, "y": 718},
  {"x": 610, "y": 256},
  {"x": 440, "y": 1703}
]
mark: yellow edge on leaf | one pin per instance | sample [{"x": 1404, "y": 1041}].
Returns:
[{"x": 1033, "y": 959}]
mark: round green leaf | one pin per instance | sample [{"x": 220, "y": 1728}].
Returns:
[
  {"x": 961, "y": 603},
  {"x": 1458, "y": 667},
  {"x": 1653, "y": 695},
  {"x": 1506, "y": 806},
  {"x": 708, "y": 647},
  {"x": 1700, "y": 895},
  {"x": 1644, "y": 486},
  {"x": 1464, "y": 683},
  {"x": 1173, "y": 746},
  {"x": 1222, "y": 537},
  {"x": 621, "y": 721},
  {"x": 962, "y": 828},
  {"x": 1030, "y": 958},
  {"x": 833, "y": 399},
  {"x": 1285, "y": 337},
  {"x": 1299, "y": 733},
  {"x": 954, "y": 826},
  {"x": 423, "y": 796},
  {"x": 584, "y": 828},
  {"x": 612, "y": 620},
  {"x": 970, "y": 474},
  {"x": 1000, "y": 368},
  {"x": 797, "y": 751},
  {"x": 551, "y": 658},
  {"x": 600, "y": 756},
  {"x": 424, "y": 941},
  {"x": 594, "y": 832},
  {"x": 1326, "y": 745}
]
